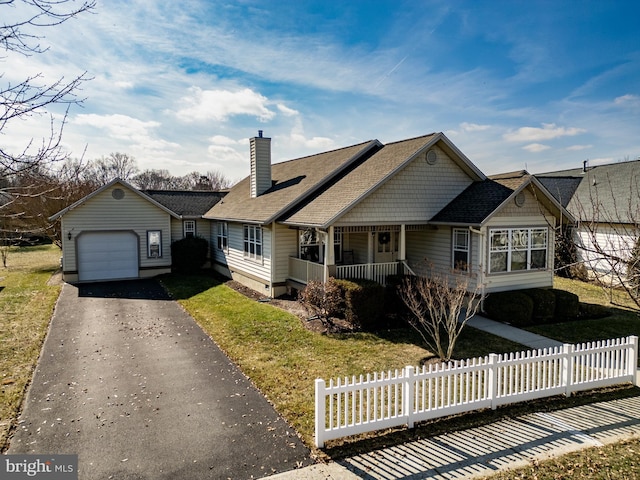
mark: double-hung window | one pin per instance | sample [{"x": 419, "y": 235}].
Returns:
[
  {"x": 222, "y": 236},
  {"x": 253, "y": 242},
  {"x": 517, "y": 249},
  {"x": 461, "y": 249},
  {"x": 189, "y": 228}
]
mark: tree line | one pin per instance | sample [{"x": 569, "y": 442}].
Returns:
[{"x": 28, "y": 198}]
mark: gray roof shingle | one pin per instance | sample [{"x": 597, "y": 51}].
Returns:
[
  {"x": 293, "y": 181},
  {"x": 474, "y": 204},
  {"x": 186, "y": 203},
  {"x": 605, "y": 193}
]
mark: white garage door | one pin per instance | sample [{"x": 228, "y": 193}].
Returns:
[{"x": 107, "y": 256}]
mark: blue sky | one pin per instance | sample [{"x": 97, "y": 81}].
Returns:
[{"x": 183, "y": 85}]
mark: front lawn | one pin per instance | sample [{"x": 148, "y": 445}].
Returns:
[
  {"x": 26, "y": 305},
  {"x": 283, "y": 358},
  {"x": 623, "y": 320}
]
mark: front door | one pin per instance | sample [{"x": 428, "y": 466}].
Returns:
[{"x": 386, "y": 247}]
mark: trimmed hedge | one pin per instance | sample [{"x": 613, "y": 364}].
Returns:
[
  {"x": 544, "y": 304},
  {"x": 514, "y": 307},
  {"x": 364, "y": 302},
  {"x": 535, "y": 306},
  {"x": 189, "y": 254},
  {"x": 567, "y": 305}
]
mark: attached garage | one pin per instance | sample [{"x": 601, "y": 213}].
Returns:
[{"x": 107, "y": 256}]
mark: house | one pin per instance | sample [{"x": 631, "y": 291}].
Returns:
[
  {"x": 605, "y": 201},
  {"x": 371, "y": 210},
  {"x": 368, "y": 210},
  {"x": 119, "y": 232}
]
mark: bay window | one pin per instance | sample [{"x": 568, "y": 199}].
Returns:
[{"x": 517, "y": 249}]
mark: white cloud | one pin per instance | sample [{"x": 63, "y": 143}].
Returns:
[
  {"x": 473, "y": 127},
  {"x": 202, "y": 105},
  {"x": 226, "y": 154},
  {"x": 222, "y": 140},
  {"x": 548, "y": 131},
  {"x": 139, "y": 134},
  {"x": 119, "y": 126},
  {"x": 124, "y": 84},
  {"x": 577, "y": 148},
  {"x": 536, "y": 147},
  {"x": 628, "y": 100},
  {"x": 286, "y": 111}
]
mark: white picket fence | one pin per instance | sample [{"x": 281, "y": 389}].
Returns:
[{"x": 402, "y": 397}]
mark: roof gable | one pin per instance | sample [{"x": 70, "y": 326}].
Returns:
[
  {"x": 113, "y": 182},
  {"x": 369, "y": 176},
  {"x": 482, "y": 200}
]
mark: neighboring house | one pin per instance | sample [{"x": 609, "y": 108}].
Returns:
[
  {"x": 119, "y": 232},
  {"x": 371, "y": 210},
  {"x": 605, "y": 201}
]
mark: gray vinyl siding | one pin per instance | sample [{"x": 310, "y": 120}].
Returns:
[
  {"x": 235, "y": 260},
  {"x": 531, "y": 214},
  {"x": 429, "y": 247},
  {"x": 285, "y": 246},
  {"x": 358, "y": 242},
  {"x": 104, "y": 213},
  {"x": 414, "y": 194},
  {"x": 203, "y": 228}
]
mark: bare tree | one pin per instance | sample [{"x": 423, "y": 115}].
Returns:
[
  {"x": 154, "y": 180},
  {"x": 163, "y": 180},
  {"x": 440, "y": 307},
  {"x": 116, "y": 165},
  {"x": 33, "y": 95},
  {"x": 212, "y": 180},
  {"x": 36, "y": 196}
]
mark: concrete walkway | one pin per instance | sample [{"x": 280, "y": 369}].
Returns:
[
  {"x": 483, "y": 451},
  {"x": 514, "y": 334}
]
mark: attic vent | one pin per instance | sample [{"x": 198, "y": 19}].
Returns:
[
  {"x": 520, "y": 198},
  {"x": 432, "y": 157},
  {"x": 117, "y": 193}
]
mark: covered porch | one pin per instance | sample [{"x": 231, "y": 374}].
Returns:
[{"x": 369, "y": 252}]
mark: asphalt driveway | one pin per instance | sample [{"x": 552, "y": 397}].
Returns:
[{"x": 129, "y": 382}]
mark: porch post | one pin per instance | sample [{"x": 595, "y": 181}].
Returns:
[
  {"x": 331, "y": 253},
  {"x": 403, "y": 250},
  {"x": 370, "y": 254}
]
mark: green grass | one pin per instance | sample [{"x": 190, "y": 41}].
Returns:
[
  {"x": 623, "y": 320},
  {"x": 618, "y": 461},
  {"x": 26, "y": 305},
  {"x": 283, "y": 358}
]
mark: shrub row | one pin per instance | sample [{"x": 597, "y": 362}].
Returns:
[{"x": 532, "y": 306}]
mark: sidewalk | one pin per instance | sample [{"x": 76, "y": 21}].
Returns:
[{"x": 482, "y": 451}]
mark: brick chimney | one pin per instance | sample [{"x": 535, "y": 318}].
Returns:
[{"x": 260, "y": 164}]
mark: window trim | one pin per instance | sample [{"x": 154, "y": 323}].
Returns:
[
  {"x": 509, "y": 248},
  {"x": 150, "y": 234},
  {"x": 467, "y": 249},
  {"x": 254, "y": 241},
  {"x": 185, "y": 232},
  {"x": 222, "y": 236}
]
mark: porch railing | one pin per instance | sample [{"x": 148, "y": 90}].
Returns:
[
  {"x": 370, "y": 271},
  {"x": 304, "y": 271}
]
